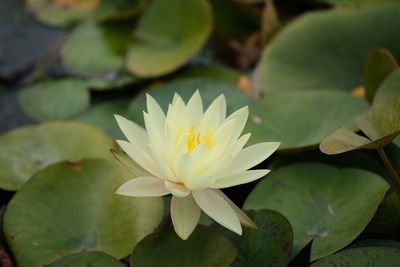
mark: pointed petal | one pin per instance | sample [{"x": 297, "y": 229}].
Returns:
[
  {"x": 155, "y": 111},
  {"x": 223, "y": 137},
  {"x": 132, "y": 131},
  {"x": 194, "y": 109},
  {"x": 143, "y": 187},
  {"x": 129, "y": 163},
  {"x": 212, "y": 116},
  {"x": 185, "y": 215},
  {"x": 199, "y": 182},
  {"x": 177, "y": 190},
  {"x": 160, "y": 163},
  {"x": 238, "y": 146},
  {"x": 201, "y": 157},
  {"x": 218, "y": 209},
  {"x": 141, "y": 156},
  {"x": 154, "y": 131},
  {"x": 243, "y": 218},
  {"x": 243, "y": 177},
  {"x": 184, "y": 166},
  {"x": 240, "y": 116},
  {"x": 220, "y": 165},
  {"x": 252, "y": 155}
]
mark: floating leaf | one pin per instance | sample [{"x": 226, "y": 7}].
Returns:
[
  {"x": 214, "y": 72},
  {"x": 300, "y": 119},
  {"x": 317, "y": 199},
  {"x": 361, "y": 257},
  {"x": 62, "y": 12},
  {"x": 112, "y": 81},
  {"x": 24, "y": 41},
  {"x": 119, "y": 9},
  {"x": 96, "y": 49},
  {"x": 271, "y": 245},
  {"x": 55, "y": 99},
  {"x": 87, "y": 259},
  {"x": 204, "y": 248},
  {"x": 26, "y": 150},
  {"x": 168, "y": 34},
  {"x": 209, "y": 90},
  {"x": 389, "y": 87},
  {"x": 375, "y": 243},
  {"x": 72, "y": 207},
  {"x": 327, "y": 49},
  {"x": 102, "y": 115}
]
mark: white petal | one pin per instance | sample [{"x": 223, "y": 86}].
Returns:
[
  {"x": 200, "y": 182},
  {"x": 201, "y": 156},
  {"x": 142, "y": 157},
  {"x": 223, "y": 137},
  {"x": 155, "y": 111},
  {"x": 218, "y": 209},
  {"x": 252, "y": 155},
  {"x": 235, "y": 148},
  {"x": 184, "y": 166},
  {"x": 220, "y": 165},
  {"x": 212, "y": 116},
  {"x": 243, "y": 218},
  {"x": 177, "y": 190},
  {"x": 129, "y": 164},
  {"x": 143, "y": 187},
  {"x": 240, "y": 116},
  {"x": 185, "y": 215},
  {"x": 160, "y": 163},
  {"x": 132, "y": 131},
  {"x": 239, "y": 178},
  {"x": 194, "y": 109},
  {"x": 154, "y": 131}
]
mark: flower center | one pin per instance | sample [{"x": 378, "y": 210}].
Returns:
[{"x": 193, "y": 139}]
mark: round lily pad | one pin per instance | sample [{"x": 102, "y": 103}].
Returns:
[
  {"x": 389, "y": 87},
  {"x": 270, "y": 245},
  {"x": 26, "y": 150},
  {"x": 328, "y": 49},
  {"x": 204, "y": 248},
  {"x": 72, "y": 207},
  {"x": 302, "y": 119},
  {"x": 62, "y": 12},
  {"x": 118, "y": 9},
  {"x": 55, "y": 99},
  {"x": 167, "y": 35},
  {"x": 361, "y": 257},
  {"x": 94, "y": 49},
  {"x": 324, "y": 204},
  {"x": 209, "y": 90},
  {"x": 87, "y": 259}
]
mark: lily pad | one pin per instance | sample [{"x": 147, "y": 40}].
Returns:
[
  {"x": 55, "y": 99},
  {"x": 327, "y": 49},
  {"x": 361, "y": 257},
  {"x": 102, "y": 115},
  {"x": 85, "y": 259},
  {"x": 380, "y": 63},
  {"x": 26, "y": 150},
  {"x": 96, "y": 50},
  {"x": 167, "y": 35},
  {"x": 204, "y": 248},
  {"x": 209, "y": 90},
  {"x": 316, "y": 199},
  {"x": 118, "y": 9},
  {"x": 62, "y": 12},
  {"x": 375, "y": 243},
  {"x": 271, "y": 245},
  {"x": 300, "y": 119},
  {"x": 72, "y": 207},
  {"x": 214, "y": 72},
  {"x": 389, "y": 87}
]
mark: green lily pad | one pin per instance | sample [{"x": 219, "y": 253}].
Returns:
[
  {"x": 375, "y": 243},
  {"x": 380, "y": 63},
  {"x": 62, "y": 12},
  {"x": 26, "y": 150},
  {"x": 55, "y": 99},
  {"x": 204, "y": 248},
  {"x": 300, "y": 119},
  {"x": 324, "y": 204},
  {"x": 167, "y": 35},
  {"x": 214, "y": 72},
  {"x": 97, "y": 50},
  {"x": 72, "y": 207},
  {"x": 389, "y": 87},
  {"x": 327, "y": 49},
  {"x": 271, "y": 245},
  {"x": 361, "y": 257},
  {"x": 209, "y": 90},
  {"x": 87, "y": 259},
  {"x": 113, "y": 81},
  {"x": 118, "y": 9},
  {"x": 102, "y": 115}
]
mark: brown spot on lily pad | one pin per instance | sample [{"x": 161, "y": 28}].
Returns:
[{"x": 77, "y": 166}]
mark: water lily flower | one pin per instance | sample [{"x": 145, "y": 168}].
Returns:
[{"x": 191, "y": 154}]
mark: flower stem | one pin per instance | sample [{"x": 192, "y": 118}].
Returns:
[{"x": 389, "y": 166}]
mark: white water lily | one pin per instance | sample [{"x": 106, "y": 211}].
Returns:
[{"x": 191, "y": 154}]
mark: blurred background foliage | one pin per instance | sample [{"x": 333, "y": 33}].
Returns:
[{"x": 305, "y": 68}]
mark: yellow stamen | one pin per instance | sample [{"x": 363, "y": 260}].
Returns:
[{"x": 194, "y": 139}]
